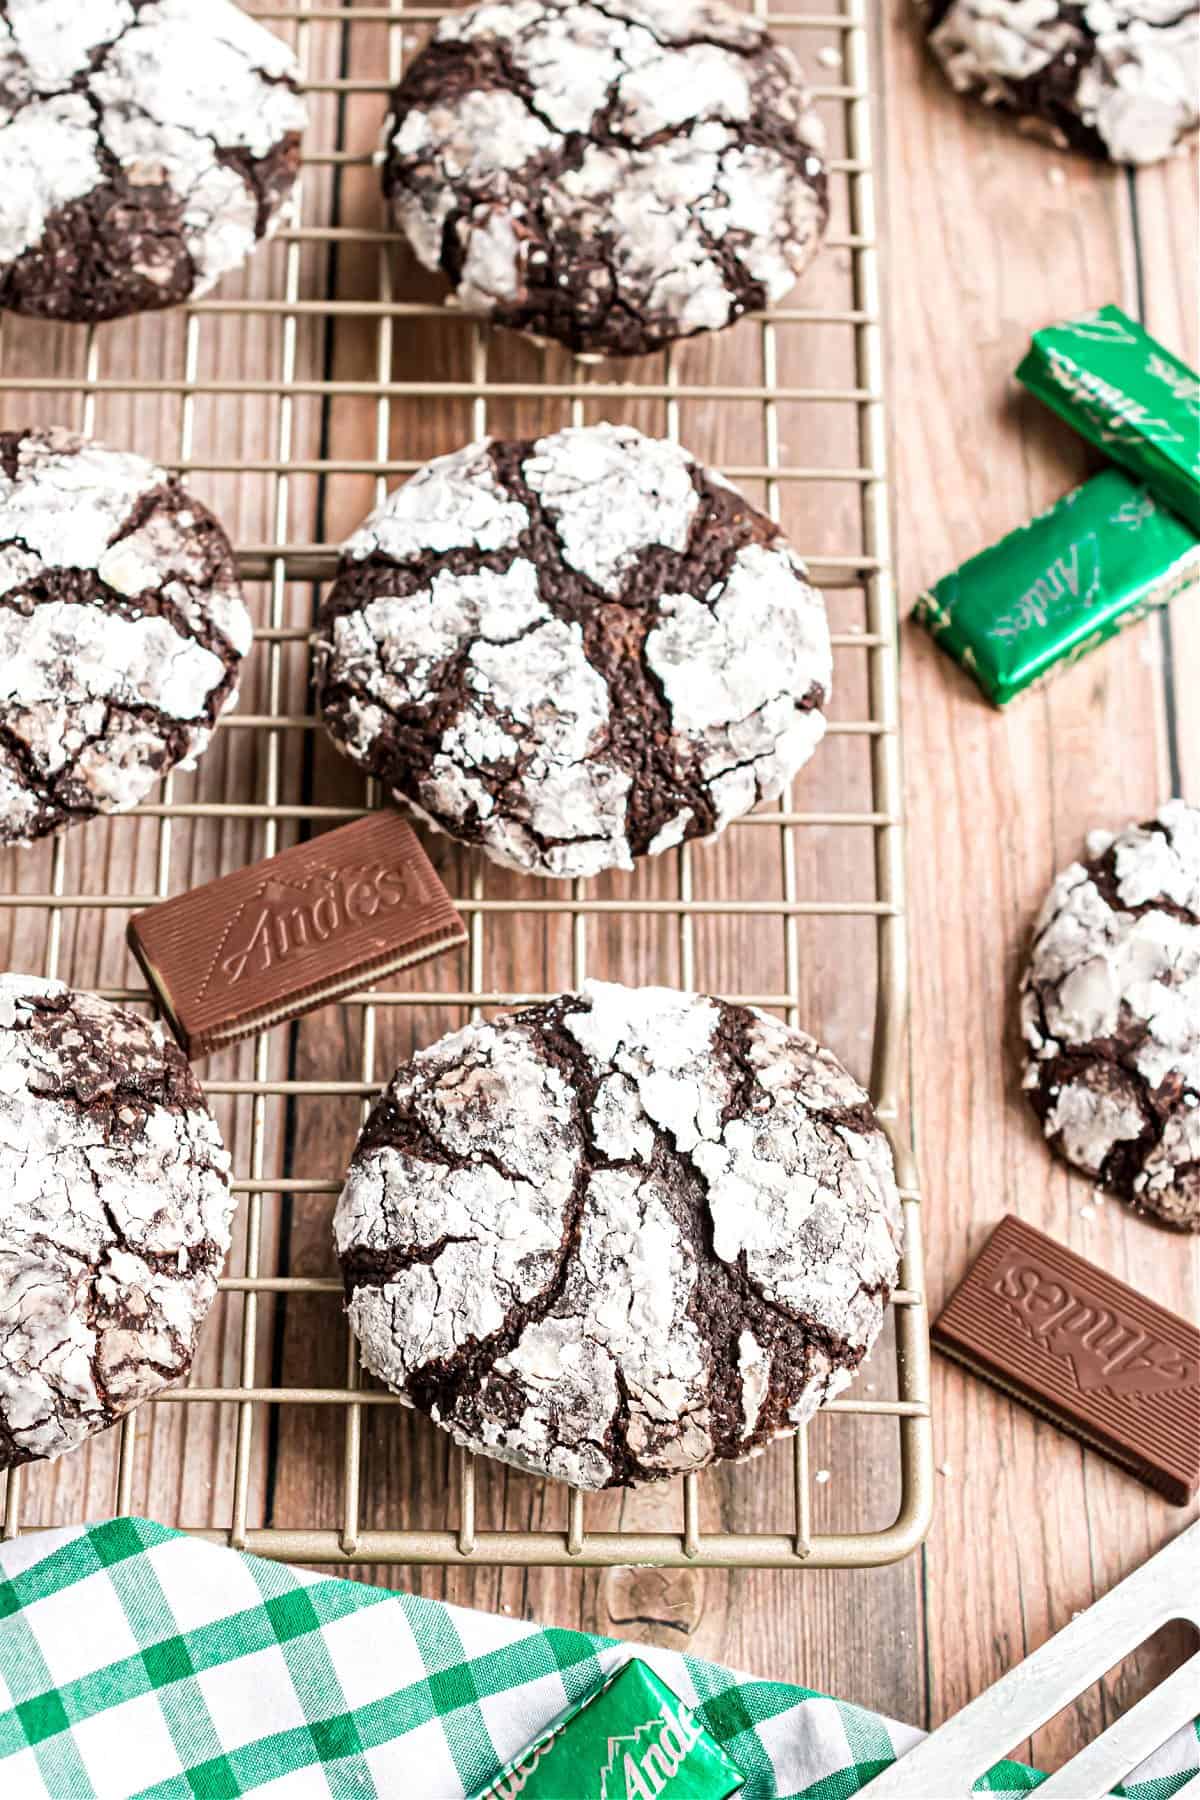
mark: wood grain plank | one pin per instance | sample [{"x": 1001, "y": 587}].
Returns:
[
  {"x": 1029, "y": 1527},
  {"x": 1167, "y": 198},
  {"x": 1164, "y": 215}
]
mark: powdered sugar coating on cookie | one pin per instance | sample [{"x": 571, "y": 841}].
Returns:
[
  {"x": 1119, "y": 78},
  {"x": 574, "y": 652},
  {"x": 121, "y": 630},
  {"x": 145, "y": 146},
  {"x": 1111, "y": 1014},
  {"x": 620, "y": 1235},
  {"x": 114, "y": 1215},
  {"x": 613, "y": 175}
]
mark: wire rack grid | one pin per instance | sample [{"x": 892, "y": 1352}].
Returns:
[{"x": 291, "y": 400}]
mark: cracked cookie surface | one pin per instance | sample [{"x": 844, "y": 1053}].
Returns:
[
  {"x": 114, "y": 1215},
  {"x": 1116, "y": 78},
  {"x": 1110, "y": 1012},
  {"x": 145, "y": 147},
  {"x": 619, "y": 1235},
  {"x": 614, "y": 175},
  {"x": 122, "y": 629},
  {"x": 574, "y": 651}
]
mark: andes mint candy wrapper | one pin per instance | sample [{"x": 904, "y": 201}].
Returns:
[
  {"x": 1126, "y": 394},
  {"x": 1052, "y": 590},
  {"x": 630, "y": 1739}
]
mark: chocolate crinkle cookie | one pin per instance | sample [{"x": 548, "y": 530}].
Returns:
[
  {"x": 575, "y": 651},
  {"x": 114, "y": 1215},
  {"x": 1116, "y": 78},
  {"x": 145, "y": 147},
  {"x": 1111, "y": 1015},
  {"x": 122, "y": 628},
  {"x": 612, "y": 175},
  {"x": 621, "y": 1235}
]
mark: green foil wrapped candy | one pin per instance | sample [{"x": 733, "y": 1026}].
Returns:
[
  {"x": 1053, "y": 589},
  {"x": 631, "y": 1739},
  {"x": 1128, "y": 395}
]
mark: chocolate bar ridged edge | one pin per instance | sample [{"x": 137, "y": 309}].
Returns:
[
  {"x": 159, "y": 991},
  {"x": 1172, "y": 1487},
  {"x": 299, "y": 1002},
  {"x": 1177, "y": 1482}
]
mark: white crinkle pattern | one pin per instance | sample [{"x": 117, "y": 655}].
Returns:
[
  {"x": 1111, "y": 1013},
  {"x": 174, "y": 91},
  {"x": 700, "y": 193},
  {"x": 116, "y": 1214},
  {"x": 593, "y": 1240},
  {"x": 102, "y": 692},
  {"x": 538, "y": 760},
  {"x": 1128, "y": 69}
]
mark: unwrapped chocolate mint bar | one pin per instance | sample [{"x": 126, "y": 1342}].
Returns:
[
  {"x": 1053, "y": 589},
  {"x": 296, "y": 931},
  {"x": 1127, "y": 394},
  {"x": 1095, "y": 1357}
]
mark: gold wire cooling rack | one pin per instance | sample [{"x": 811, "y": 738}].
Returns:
[{"x": 291, "y": 401}]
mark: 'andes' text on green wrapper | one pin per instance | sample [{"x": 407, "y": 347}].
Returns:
[
  {"x": 630, "y": 1739},
  {"x": 1127, "y": 394},
  {"x": 1053, "y": 589}
]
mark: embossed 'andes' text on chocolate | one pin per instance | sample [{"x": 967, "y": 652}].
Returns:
[{"x": 1104, "y": 1346}]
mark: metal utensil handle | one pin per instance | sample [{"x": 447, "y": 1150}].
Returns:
[{"x": 947, "y": 1762}]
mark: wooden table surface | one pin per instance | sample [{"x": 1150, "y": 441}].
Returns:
[{"x": 989, "y": 236}]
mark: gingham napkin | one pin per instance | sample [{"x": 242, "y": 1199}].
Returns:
[{"x": 137, "y": 1661}]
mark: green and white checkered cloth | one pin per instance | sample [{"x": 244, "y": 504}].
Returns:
[{"x": 135, "y": 1660}]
